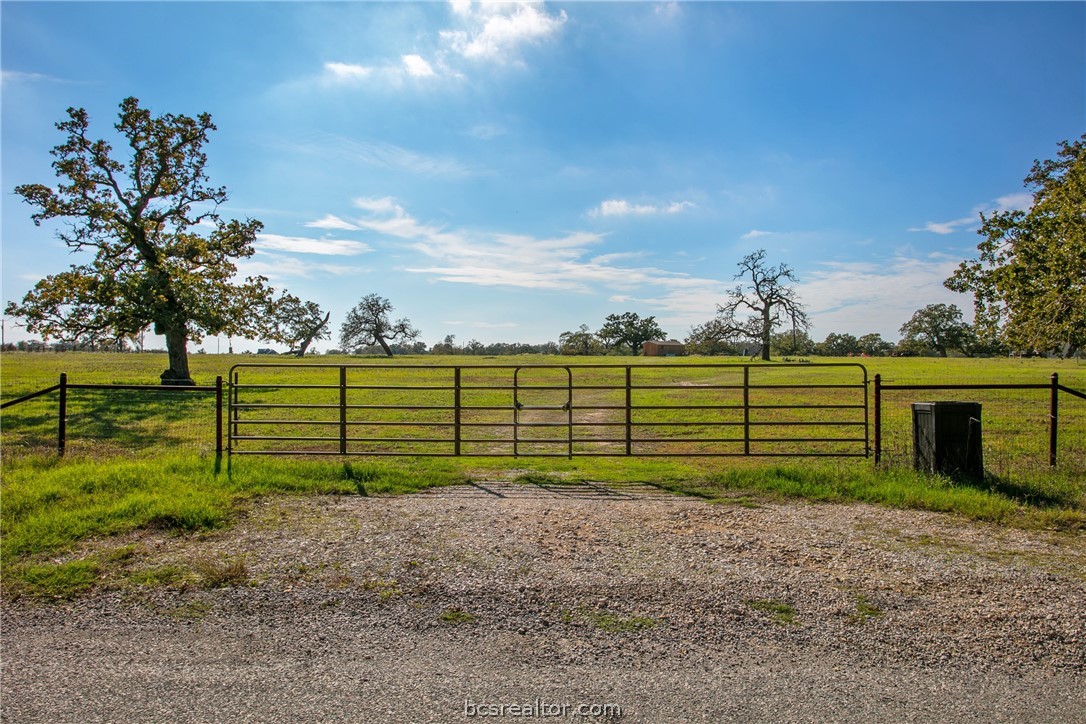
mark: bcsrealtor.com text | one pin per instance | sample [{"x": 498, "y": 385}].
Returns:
[{"x": 540, "y": 708}]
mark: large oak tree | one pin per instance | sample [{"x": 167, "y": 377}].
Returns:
[
  {"x": 1029, "y": 283},
  {"x": 764, "y": 297},
  {"x": 142, "y": 212},
  {"x": 368, "y": 323}
]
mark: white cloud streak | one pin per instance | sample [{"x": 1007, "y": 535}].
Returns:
[
  {"x": 622, "y": 207},
  {"x": 303, "y": 245},
  {"x": 1010, "y": 202}
]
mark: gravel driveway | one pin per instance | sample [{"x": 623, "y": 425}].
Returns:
[{"x": 568, "y": 603}]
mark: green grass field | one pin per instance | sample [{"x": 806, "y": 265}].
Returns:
[{"x": 145, "y": 461}]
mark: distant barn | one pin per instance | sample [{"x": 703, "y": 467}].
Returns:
[{"x": 659, "y": 348}]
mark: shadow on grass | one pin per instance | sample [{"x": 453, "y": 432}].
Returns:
[{"x": 124, "y": 419}]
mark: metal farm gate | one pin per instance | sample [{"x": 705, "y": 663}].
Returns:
[{"x": 549, "y": 410}]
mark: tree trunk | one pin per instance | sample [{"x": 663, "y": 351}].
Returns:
[
  {"x": 384, "y": 345},
  {"x": 177, "y": 340},
  {"x": 767, "y": 331}
]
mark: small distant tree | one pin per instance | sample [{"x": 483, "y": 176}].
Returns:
[
  {"x": 368, "y": 323},
  {"x": 298, "y": 323},
  {"x": 765, "y": 295},
  {"x": 938, "y": 327},
  {"x": 629, "y": 330},
  {"x": 581, "y": 342},
  {"x": 446, "y": 346},
  {"x": 793, "y": 341},
  {"x": 873, "y": 344},
  {"x": 839, "y": 345}
]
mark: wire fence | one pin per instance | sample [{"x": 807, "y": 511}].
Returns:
[
  {"x": 109, "y": 420},
  {"x": 1019, "y": 433}
]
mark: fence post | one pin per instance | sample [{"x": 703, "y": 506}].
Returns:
[
  {"x": 62, "y": 416},
  {"x": 629, "y": 410},
  {"x": 1053, "y": 419},
  {"x": 746, "y": 409},
  {"x": 456, "y": 413},
  {"x": 218, "y": 417},
  {"x": 342, "y": 410},
  {"x": 878, "y": 418}
]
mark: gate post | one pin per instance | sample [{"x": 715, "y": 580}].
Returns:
[
  {"x": 746, "y": 409},
  {"x": 629, "y": 410},
  {"x": 878, "y": 418},
  {"x": 62, "y": 414},
  {"x": 342, "y": 410},
  {"x": 456, "y": 412},
  {"x": 1053, "y": 419},
  {"x": 218, "y": 417}
]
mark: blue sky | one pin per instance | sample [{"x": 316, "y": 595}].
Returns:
[{"x": 507, "y": 172}]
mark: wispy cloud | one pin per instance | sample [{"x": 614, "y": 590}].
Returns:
[
  {"x": 374, "y": 153},
  {"x": 494, "y": 32},
  {"x": 1010, "y": 202},
  {"x": 278, "y": 267},
  {"x": 494, "y": 259},
  {"x": 17, "y": 76},
  {"x": 622, "y": 207},
  {"x": 755, "y": 234},
  {"x": 303, "y": 245},
  {"x": 417, "y": 66},
  {"x": 849, "y": 297},
  {"x": 346, "y": 72}
]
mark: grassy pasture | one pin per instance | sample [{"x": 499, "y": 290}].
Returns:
[{"x": 142, "y": 461}]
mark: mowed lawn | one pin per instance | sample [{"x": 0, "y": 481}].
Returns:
[{"x": 159, "y": 471}]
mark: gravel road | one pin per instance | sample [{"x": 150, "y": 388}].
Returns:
[{"x": 567, "y": 603}]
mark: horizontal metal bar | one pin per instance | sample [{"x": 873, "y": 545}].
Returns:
[
  {"x": 31, "y": 396},
  {"x": 143, "y": 388},
  {"x": 1069, "y": 391},
  {"x": 967, "y": 387},
  {"x": 557, "y": 455}
]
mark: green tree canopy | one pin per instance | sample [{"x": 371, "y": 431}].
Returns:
[
  {"x": 1029, "y": 283},
  {"x": 137, "y": 216},
  {"x": 629, "y": 330},
  {"x": 938, "y": 327},
  {"x": 368, "y": 323}
]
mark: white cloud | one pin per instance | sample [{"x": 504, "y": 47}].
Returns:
[
  {"x": 372, "y": 153},
  {"x": 1014, "y": 202},
  {"x": 622, "y": 207},
  {"x": 946, "y": 227},
  {"x": 303, "y": 245},
  {"x": 277, "y": 267},
  {"x": 497, "y": 31},
  {"x": 417, "y": 67},
  {"x": 332, "y": 222},
  {"x": 1010, "y": 202},
  {"x": 346, "y": 72},
  {"x": 857, "y": 297},
  {"x": 755, "y": 234}
]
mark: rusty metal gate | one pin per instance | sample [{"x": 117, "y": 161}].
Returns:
[{"x": 644, "y": 410}]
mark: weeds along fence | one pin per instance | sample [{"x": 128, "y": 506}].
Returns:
[
  {"x": 104, "y": 420},
  {"x": 1025, "y": 427}
]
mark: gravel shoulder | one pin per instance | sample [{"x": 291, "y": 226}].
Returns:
[{"x": 447, "y": 605}]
